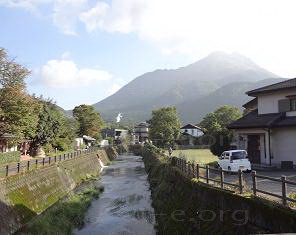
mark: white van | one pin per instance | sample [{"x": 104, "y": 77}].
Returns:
[{"x": 234, "y": 160}]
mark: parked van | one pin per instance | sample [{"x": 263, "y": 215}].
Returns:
[{"x": 234, "y": 160}]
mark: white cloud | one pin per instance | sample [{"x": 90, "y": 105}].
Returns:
[
  {"x": 65, "y": 14},
  {"x": 65, "y": 73},
  {"x": 113, "y": 89},
  {"x": 28, "y": 4},
  {"x": 261, "y": 29}
]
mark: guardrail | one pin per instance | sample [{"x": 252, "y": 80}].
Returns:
[
  {"x": 32, "y": 164},
  {"x": 194, "y": 171}
]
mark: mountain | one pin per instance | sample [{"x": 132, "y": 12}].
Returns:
[
  {"x": 192, "y": 111},
  {"x": 211, "y": 80}
]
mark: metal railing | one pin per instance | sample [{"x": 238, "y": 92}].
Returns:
[
  {"x": 13, "y": 169},
  {"x": 192, "y": 170}
]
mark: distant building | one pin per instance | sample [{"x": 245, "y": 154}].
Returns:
[
  {"x": 191, "y": 132},
  {"x": 84, "y": 140},
  {"x": 5, "y": 144},
  {"x": 104, "y": 143},
  {"x": 117, "y": 134},
  {"x": 141, "y": 132}
]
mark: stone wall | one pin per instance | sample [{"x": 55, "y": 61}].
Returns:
[
  {"x": 27, "y": 194},
  {"x": 185, "y": 206}
]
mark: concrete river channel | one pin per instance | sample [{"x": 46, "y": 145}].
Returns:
[{"x": 124, "y": 207}]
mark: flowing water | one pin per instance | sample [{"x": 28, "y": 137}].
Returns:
[{"x": 124, "y": 207}]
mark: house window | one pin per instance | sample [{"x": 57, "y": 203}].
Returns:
[{"x": 293, "y": 104}]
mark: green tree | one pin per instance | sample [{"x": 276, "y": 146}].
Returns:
[
  {"x": 90, "y": 121},
  {"x": 216, "y": 123},
  {"x": 18, "y": 110},
  {"x": 164, "y": 126},
  {"x": 48, "y": 126},
  {"x": 66, "y": 135}
]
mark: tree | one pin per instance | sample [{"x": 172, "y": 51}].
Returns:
[
  {"x": 48, "y": 126},
  {"x": 164, "y": 126},
  {"x": 90, "y": 121},
  {"x": 216, "y": 123},
  {"x": 11, "y": 73},
  {"x": 67, "y": 133},
  {"x": 18, "y": 110}
]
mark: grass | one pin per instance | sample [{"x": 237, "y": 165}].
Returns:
[
  {"x": 200, "y": 156},
  {"x": 9, "y": 157},
  {"x": 63, "y": 217}
]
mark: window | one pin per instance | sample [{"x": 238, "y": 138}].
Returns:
[
  {"x": 293, "y": 104},
  {"x": 239, "y": 155}
]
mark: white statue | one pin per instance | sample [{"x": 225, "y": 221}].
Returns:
[{"x": 118, "y": 118}]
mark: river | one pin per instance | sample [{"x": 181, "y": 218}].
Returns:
[{"x": 124, "y": 207}]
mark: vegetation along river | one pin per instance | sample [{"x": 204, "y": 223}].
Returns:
[{"x": 125, "y": 205}]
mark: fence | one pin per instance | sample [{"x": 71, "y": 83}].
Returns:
[
  {"x": 194, "y": 171},
  {"x": 284, "y": 182},
  {"x": 41, "y": 162}
]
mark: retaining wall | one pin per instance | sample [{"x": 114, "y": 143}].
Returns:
[
  {"x": 25, "y": 195},
  {"x": 185, "y": 206}
]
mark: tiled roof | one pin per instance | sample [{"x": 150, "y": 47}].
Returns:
[
  {"x": 88, "y": 138},
  {"x": 251, "y": 103},
  {"x": 288, "y": 84},
  {"x": 253, "y": 120},
  {"x": 287, "y": 121},
  {"x": 190, "y": 126}
]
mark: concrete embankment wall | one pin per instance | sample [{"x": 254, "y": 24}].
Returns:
[
  {"x": 185, "y": 206},
  {"x": 27, "y": 194}
]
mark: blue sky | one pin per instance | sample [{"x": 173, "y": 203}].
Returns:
[{"x": 81, "y": 51}]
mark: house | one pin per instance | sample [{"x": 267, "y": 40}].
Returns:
[
  {"x": 191, "y": 132},
  {"x": 141, "y": 132},
  {"x": 84, "y": 140},
  {"x": 115, "y": 133},
  {"x": 7, "y": 146},
  {"x": 268, "y": 130}
]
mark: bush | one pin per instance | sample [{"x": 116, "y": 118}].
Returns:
[{"x": 10, "y": 157}]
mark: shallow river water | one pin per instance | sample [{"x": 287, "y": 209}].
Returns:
[{"x": 125, "y": 206}]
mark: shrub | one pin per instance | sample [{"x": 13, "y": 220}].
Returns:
[{"x": 10, "y": 157}]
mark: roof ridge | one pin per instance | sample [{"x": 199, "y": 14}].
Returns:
[{"x": 270, "y": 86}]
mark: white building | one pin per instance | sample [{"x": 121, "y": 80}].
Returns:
[
  {"x": 192, "y": 132},
  {"x": 141, "y": 132},
  {"x": 84, "y": 140},
  {"x": 268, "y": 131}
]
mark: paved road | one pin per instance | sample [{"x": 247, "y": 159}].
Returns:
[{"x": 264, "y": 184}]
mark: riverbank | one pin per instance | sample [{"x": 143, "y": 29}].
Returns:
[
  {"x": 185, "y": 206},
  {"x": 28, "y": 194},
  {"x": 65, "y": 215}
]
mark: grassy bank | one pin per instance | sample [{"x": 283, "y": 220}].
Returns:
[
  {"x": 200, "y": 156},
  {"x": 63, "y": 217}
]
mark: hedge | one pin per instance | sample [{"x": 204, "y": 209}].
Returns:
[{"x": 10, "y": 157}]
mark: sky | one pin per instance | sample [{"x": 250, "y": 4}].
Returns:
[{"x": 81, "y": 51}]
